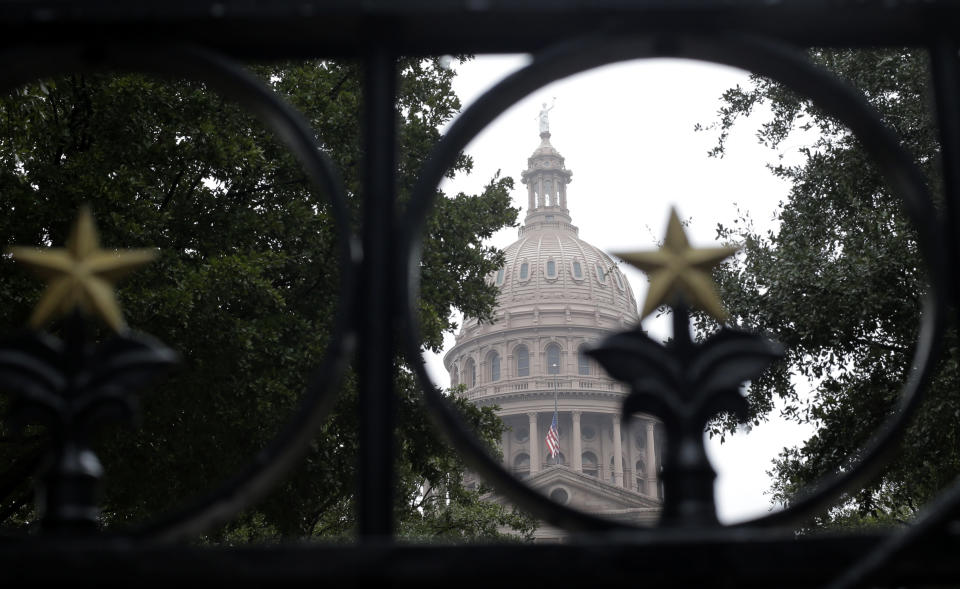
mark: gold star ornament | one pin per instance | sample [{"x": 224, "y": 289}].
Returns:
[
  {"x": 82, "y": 275},
  {"x": 678, "y": 271}
]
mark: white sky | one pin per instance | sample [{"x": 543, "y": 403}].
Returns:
[{"x": 627, "y": 133}]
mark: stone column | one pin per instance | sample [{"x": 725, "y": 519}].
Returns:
[
  {"x": 534, "y": 444},
  {"x": 531, "y": 198},
  {"x": 651, "y": 472},
  {"x": 577, "y": 453},
  {"x": 604, "y": 451},
  {"x": 617, "y": 453}
]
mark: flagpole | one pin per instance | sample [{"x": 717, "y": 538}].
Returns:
[
  {"x": 556, "y": 393},
  {"x": 553, "y": 434},
  {"x": 556, "y": 386}
]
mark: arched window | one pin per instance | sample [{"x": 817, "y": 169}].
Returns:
[
  {"x": 601, "y": 275},
  {"x": 524, "y": 271},
  {"x": 577, "y": 270},
  {"x": 641, "y": 439},
  {"x": 583, "y": 362},
  {"x": 560, "y": 496},
  {"x": 640, "y": 473},
  {"x": 617, "y": 279},
  {"x": 521, "y": 465},
  {"x": 551, "y": 269},
  {"x": 551, "y": 461},
  {"x": 470, "y": 373},
  {"x": 494, "y": 366},
  {"x": 553, "y": 359},
  {"x": 500, "y": 274},
  {"x": 523, "y": 361},
  {"x": 589, "y": 461},
  {"x": 454, "y": 377},
  {"x": 521, "y": 433}
]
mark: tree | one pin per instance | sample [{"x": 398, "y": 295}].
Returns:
[
  {"x": 245, "y": 285},
  {"x": 839, "y": 282}
]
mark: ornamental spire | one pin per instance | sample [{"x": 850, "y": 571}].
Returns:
[{"x": 546, "y": 178}]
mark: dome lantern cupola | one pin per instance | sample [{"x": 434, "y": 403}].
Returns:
[{"x": 546, "y": 179}]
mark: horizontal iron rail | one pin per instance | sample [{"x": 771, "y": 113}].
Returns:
[
  {"x": 751, "y": 559},
  {"x": 291, "y": 28}
]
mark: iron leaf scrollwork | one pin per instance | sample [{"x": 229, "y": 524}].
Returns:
[
  {"x": 70, "y": 386},
  {"x": 686, "y": 384}
]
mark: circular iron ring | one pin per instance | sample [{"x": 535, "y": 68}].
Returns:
[
  {"x": 778, "y": 62},
  {"x": 24, "y": 65}
]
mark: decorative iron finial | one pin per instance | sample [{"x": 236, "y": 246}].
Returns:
[
  {"x": 684, "y": 382},
  {"x": 72, "y": 384},
  {"x": 81, "y": 276}
]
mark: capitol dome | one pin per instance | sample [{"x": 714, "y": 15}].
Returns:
[
  {"x": 558, "y": 296},
  {"x": 551, "y": 275}
]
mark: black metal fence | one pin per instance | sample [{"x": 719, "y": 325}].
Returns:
[{"x": 204, "y": 40}]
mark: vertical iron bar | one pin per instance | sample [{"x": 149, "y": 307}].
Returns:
[
  {"x": 377, "y": 310},
  {"x": 687, "y": 475},
  {"x": 69, "y": 492},
  {"x": 680, "y": 317},
  {"x": 945, "y": 65}
]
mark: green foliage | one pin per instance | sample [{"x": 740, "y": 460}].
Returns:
[
  {"x": 246, "y": 284},
  {"x": 839, "y": 282},
  {"x": 441, "y": 508}
]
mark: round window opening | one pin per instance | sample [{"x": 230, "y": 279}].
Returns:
[
  {"x": 588, "y": 432},
  {"x": 521, "y": 433},
  {"x": 641, "y": 440},
  {"x": 559, "y": 496},
  {"x": 808, "y": 85}
]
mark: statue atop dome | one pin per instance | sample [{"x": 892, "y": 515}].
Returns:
[{"x": 544, "y": 117}]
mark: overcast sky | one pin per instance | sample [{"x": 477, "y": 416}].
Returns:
[{"x": 627, "y": 134}]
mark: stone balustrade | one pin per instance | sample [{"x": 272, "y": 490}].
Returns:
[{"x": 544, "y": 383}]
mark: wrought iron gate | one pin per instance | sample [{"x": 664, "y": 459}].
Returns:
[{"x": 203, "y": 40}]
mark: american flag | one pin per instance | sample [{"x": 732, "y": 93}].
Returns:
[{"x": 553, "y": 438}]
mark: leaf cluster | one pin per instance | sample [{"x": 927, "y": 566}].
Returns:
[
  {"x": 246, "y": 284},
  {"x": 839, "y": 282}
]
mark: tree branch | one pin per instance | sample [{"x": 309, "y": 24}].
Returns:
[
  {"x": 338, "y": 86},
  {"x": 173, "y": 188},
  {"x": 882, "y": 345},
  {"x": 15, "y": 506}
]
